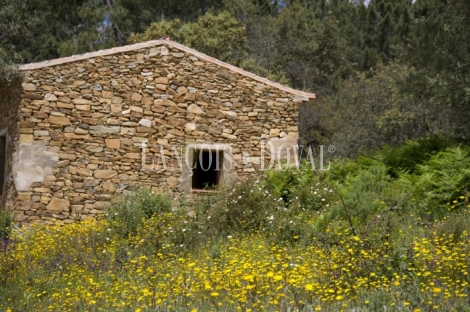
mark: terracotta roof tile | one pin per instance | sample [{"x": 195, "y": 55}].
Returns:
[{"x": 300, "y": 96}]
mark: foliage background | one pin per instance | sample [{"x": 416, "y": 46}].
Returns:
[
  {"x": 389, "y": 228},
  {"x": 383, "y": 72}
]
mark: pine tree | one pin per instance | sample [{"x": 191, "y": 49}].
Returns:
[
  {"x": 441, "y": 52},
  {"x": 64, "y": 28},
  {"x": 79, "y": 26},
  {"x": 387, "y": 27}
]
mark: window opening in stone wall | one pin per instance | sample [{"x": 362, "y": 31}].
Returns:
[
  {"x": 207, "y": 170},
  {"x": 3, "y": 161}
]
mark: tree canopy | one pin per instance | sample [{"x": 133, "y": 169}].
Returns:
[
  {"x": 411, "y": 58},
  {"x": 13, "y": 28}
]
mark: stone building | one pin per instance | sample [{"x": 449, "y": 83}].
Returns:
[{"x": 80, "y": 130}]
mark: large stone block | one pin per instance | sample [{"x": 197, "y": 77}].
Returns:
[
  {"x": 136, "y": 97},
  {"x": 194, "y": 109},
  {"x": 163, "y": 102},
  {"x": 63, "y": 121},
  {"x": 108, "y": 187},
  {"x": 145, "y": 122},
  {"x": 26, "y": 138},
  {"x": 113, "y": 143},
  {"x": 50, "y": 97},
  {"x": 80, "y": 101},
  {"x": 105, "y": 174},
  {"x": 145, "y": 130},
  {"x": 100, "y": 129},
  {"x": 133, "y": 155},
  {"x": 100, "y": 205},
  {"x": 83, "y": 107},
  {"x": 29, "y": 86},
  {"x": 158, "y": 109},
  {"x": 74, "y": 136},
  {"x": 58, "y": 204},
  {"x": 161, "y": 80}
]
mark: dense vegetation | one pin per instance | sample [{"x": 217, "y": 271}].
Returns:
[
  {"x": 387, "y": 230},
  {"x": 383, "y": 72},
  {"x": 391, "y": 229}
]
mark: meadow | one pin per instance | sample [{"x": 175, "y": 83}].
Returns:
[{"x": 384, "y": 232}]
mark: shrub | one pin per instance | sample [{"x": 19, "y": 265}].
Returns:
[
  {"x": 412, "y": 153},
  {"x": 300, "y": 188},
  {"x": 6, "y": 219},
  {"x": 428, "y": 183},
  {"x": 344, "y": 169},
  {"x": 126, "y": 216},
  {"x": 442, "y": 181},
  {"x": 282, "y": 183},
  {"x": 244, "y": 206},
  {"x": 362, "y": 195}
]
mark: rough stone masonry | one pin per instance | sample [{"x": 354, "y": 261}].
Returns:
[{"x": 78, "y": 133}]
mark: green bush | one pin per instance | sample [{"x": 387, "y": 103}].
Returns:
[
  {"x": 365, "y": 193},
  {"x": 408, "y": 156},
  {"x": 126, "y": 216},
  {"x": 343, "y": 170},
  {"x": 244, "y": 206},
  {"x": 282, "y": 183},
  {"x": 442, "y": 182},
  {"x": 362, "y": 195},
  {"x": 6, "y": 220},
  {"x": 300, "y": 188},
  {"x": 426, "y": 180}
]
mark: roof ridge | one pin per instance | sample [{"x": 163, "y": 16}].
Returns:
[{"x": 300, "y": 95}]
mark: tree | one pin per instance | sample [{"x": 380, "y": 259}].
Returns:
[
  {"x": 370, "y": 110},
  {"x": 135, "y": 16},
  {"x": 312, "y": 52},
  {"x": 78, "y": 26},
  {"x": 441, "y": 53},
  {"x": 219, "y": 35},
  {"x": 385, "y": 25},
  {"x": 63, "y": 28},
  {"x": 13, "y": 26}
]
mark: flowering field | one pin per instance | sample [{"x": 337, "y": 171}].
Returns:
[
  {"x": 255, "y": 247},
  {"x": 82, "y": 267}
]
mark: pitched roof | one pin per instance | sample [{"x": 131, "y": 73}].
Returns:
[{"x": 300, "y": 95}]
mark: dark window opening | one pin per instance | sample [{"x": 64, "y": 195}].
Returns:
[
  {"x": 207, "y": 169},
  {"x": 3, "y": 161}
]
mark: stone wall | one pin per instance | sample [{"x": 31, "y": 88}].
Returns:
[
  {"x": 10, "y": 96},
  {"x": 84, "y": 123}
]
